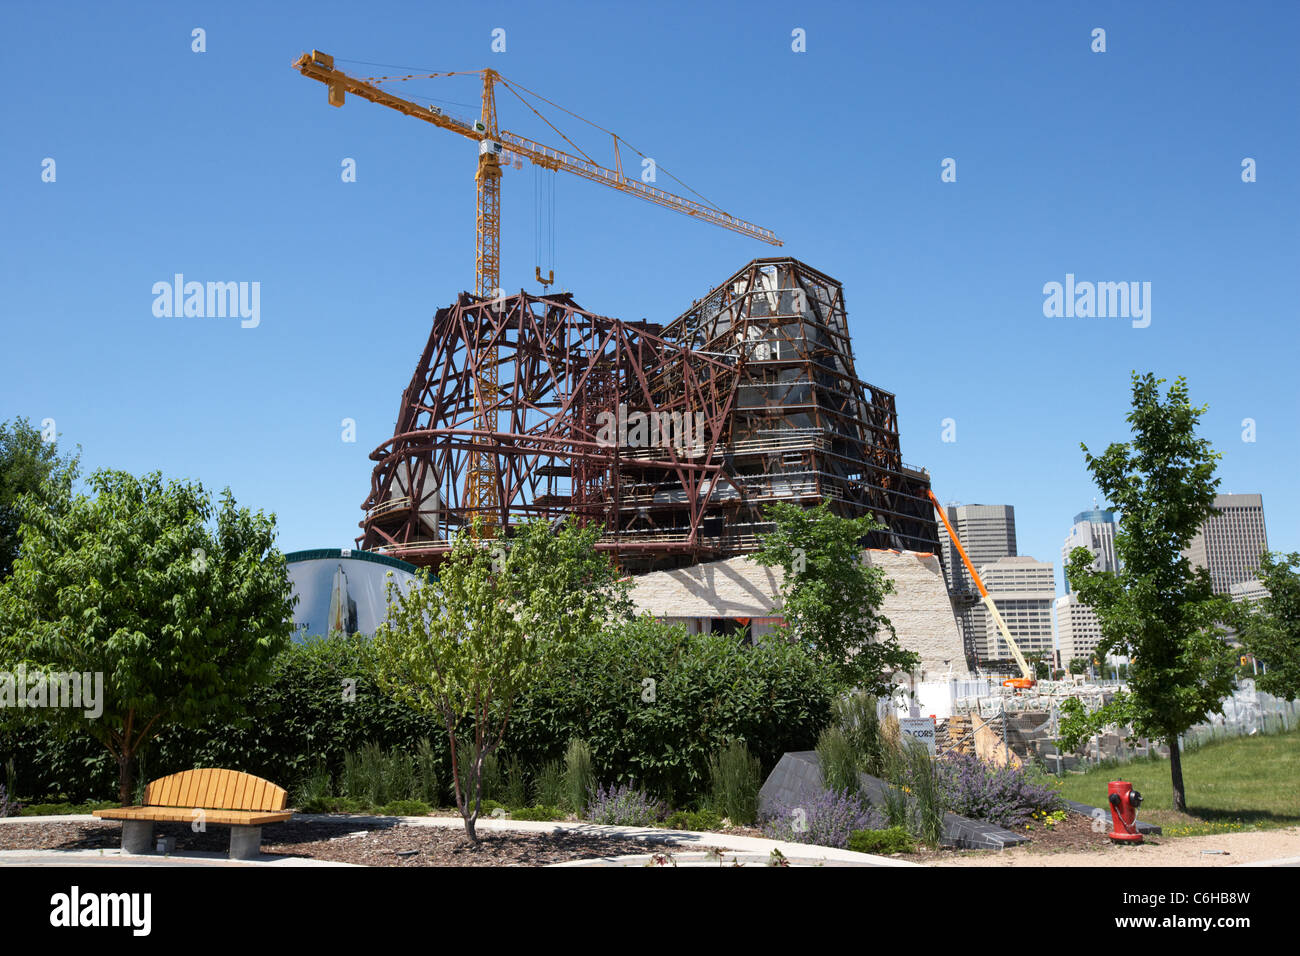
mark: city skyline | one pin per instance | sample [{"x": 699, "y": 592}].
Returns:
[{"x": 938, "y": 259}]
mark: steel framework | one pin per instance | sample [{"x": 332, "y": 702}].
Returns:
[{"x": 672, "y": 438}]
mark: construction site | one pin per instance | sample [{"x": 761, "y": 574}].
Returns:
[{"x": 673, "y": 437}]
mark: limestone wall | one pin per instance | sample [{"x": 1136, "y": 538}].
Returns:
[{"x": 739, "y": 587}]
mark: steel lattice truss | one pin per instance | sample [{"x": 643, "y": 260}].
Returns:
[{"x": 672, "y": 439}]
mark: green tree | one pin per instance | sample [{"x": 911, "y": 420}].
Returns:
[
  {"x": 27, "y": 463},
  {"x": 1157, "y": 609},
  {"x": 1272, "y": 632},
  {"x": 831, "y": 597},
  {"x": 181, "y": 619},
  {"x": 464, "y": 645},
  {"x": 1078, "y": 665}
]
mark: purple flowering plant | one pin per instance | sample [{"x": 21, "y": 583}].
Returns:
[
  {"x": 1002, "y": 795},
  {"x": 828, "y": 819},
  {"x": 624, "y": 805}
]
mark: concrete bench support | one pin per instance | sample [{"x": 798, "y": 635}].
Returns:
[
  {"x": 137, "y": 836},
  {"x": 245, "y": 843}
]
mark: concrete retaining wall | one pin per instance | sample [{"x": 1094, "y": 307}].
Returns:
[{"x": 919, "y": 609}]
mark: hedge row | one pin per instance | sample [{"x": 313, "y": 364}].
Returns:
[{"x": 652, "y": 701}]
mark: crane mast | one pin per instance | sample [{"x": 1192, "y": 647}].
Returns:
[{"x": 482, "y": 473}]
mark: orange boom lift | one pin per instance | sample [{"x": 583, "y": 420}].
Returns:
[{"x": 1026, "y": 678}]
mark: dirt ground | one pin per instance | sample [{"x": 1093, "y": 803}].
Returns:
[
  {"x": 344, "y": 841},
  {"x": 1224, "y": 849}
]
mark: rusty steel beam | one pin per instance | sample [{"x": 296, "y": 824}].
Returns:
[{"x": 759, "y": 374}]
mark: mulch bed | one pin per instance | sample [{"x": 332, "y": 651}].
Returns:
[
  {"x": 347, "y": 841},
  {"x": 1072, "y": 834}
]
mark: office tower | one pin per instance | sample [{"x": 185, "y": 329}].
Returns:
[
  {"x": 1094, "y": 530},
  {"x": 988, "y": 533},
  {"x": 1024, "y": 590},
  {"x": 1077, "y": 629},
  {"x": 1230, "y": 542}
]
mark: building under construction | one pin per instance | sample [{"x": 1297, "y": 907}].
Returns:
[{"x": 673, "y": 438}]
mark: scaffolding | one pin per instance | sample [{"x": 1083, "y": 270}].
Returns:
[{"x": 672, "y": 439}]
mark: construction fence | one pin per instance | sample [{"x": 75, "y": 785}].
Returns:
[{"x": 1005, "y": 726}]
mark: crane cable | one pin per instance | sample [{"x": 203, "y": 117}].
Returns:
[{"x": 515, "y": 89}]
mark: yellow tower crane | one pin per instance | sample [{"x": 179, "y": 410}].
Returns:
[{"x": 493, "y": 144}]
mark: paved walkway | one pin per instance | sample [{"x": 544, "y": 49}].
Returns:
[
  {"x": 116, "y": 859},
  {"x": 749, "y": 851}
]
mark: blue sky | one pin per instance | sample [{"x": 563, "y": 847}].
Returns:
[{"x": 225, "y": 165}]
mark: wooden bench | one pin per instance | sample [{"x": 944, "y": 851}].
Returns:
[{"x": 201, "y": 797}]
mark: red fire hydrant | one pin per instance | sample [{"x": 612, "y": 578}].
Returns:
[{"x": 1124, "y": 801}]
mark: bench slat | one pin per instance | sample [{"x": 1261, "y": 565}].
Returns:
[
  {"x": 216, "y": 789},
  {"x": 221, "y": 781},
  {"x": 199, "y": 793},
  {"x": 228, "y": 797},
  {"x": 212, "y": 790},
  {"x": 182, "y": 792},
  {"x": 183, "y": 815},
  {"x": 280, "y": 800}
]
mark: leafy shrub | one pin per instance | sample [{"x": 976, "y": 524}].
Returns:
[
  {"x": 300, "y": 718},
  {"x": 404, "y": 808},
  {"x": 839, "y": 763},
  {"x": 736, "y": 778},
  {"x": 826, "y": 820},
  {"x": 62, "y": 808},
  {"x": 295, "y": 720},
  {"x": 892, "y": 840},
  {"x": 709, "y": 688},
  {"x": 537, "y": 813},
  {"x": 1002, "y": 795},
  {"x": 624, "y": 806},
  {"x": 694, "y": 820},
  {"x": 579, "y": 777},
  {"x": 548, "y": 788}
]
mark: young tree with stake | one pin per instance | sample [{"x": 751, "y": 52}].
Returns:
[
  {"x": 1156, "y": 609},
  {"x": 465, "y": 644}
]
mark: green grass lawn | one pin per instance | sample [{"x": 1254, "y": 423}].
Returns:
[{"x": 1238, "y": 784}]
